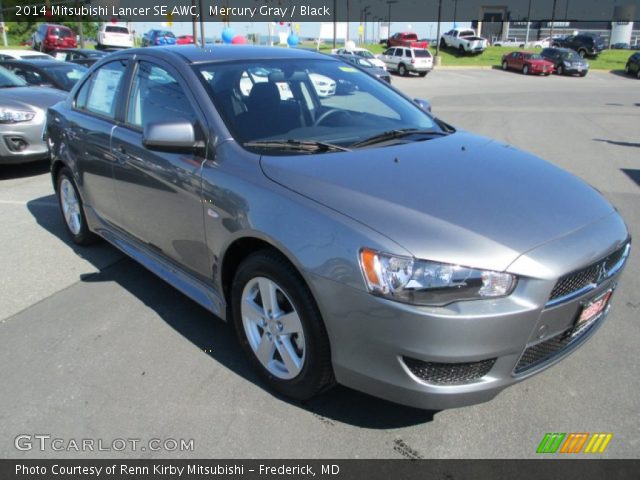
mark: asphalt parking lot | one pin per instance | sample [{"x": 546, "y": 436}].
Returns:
[{"x": 94, "y": 346}]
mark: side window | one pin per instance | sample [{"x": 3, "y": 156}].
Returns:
[
  {"x": 100, "y": 93},
  {"x": 398, "y": 52},
  {"x": 156, "y": 96},
  {"x": 388, "y": 51}
]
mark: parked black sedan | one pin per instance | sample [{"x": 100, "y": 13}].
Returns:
[
  {"x": 633, "y": 65},
  {"x": 367, "y": 66},
  {"x": 81, "y": 56},
  {"x": 46, "y": 73},
  {"x": 566, "y": 61}
]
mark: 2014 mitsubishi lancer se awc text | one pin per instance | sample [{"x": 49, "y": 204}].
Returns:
[{"x": 350, "y": 237}]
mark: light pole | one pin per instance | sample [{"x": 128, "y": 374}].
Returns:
[
  {"x": 389, "y": 3},
  {"x": 526, "y": 38},
  {"x": 455, "y": 11},
  {"x": 553, "y": 19},
  {"x": 437, "y": 59},
  {"x": 4, "y": 28}
]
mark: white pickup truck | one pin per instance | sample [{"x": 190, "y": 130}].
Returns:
[{"x": 464, "y": 40}]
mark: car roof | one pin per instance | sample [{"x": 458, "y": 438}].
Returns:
[
  {"x": 223, "y": 53},
  {"x": 40, "y": 63},
  {"x": 20, "y": 52}
]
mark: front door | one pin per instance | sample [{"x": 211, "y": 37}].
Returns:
[{"x": 159, "y": 192}]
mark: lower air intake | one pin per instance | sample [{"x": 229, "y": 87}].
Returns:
[{"x": 449, "y": 373}]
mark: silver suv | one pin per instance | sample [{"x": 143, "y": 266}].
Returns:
[{"x": 404, "y": 60}]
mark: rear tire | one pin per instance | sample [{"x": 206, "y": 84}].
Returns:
[
  {"x": 638, "y": 74},
  {"x": 423, "y": 74},
  {"x": 72, "y": 209},
  {"x": 402, "y": 70},
  {"x": 303, "y": 369}
]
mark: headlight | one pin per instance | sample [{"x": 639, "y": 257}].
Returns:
[
  {"x": 566, "y": 63},
  {"x": 422, "y": 282},
  {"x": 13, "y": 116}
]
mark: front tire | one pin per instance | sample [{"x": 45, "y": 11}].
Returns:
[
  {"x": 72, "y": 209},
  {"x": 505, "y": 66},
  {"x": 627, "y": 69},
  {"x": 280, "y": 327},
  {"x": 582, "y": 53},
  {"x": 525, "y": 70},
  {"x": 560, "y": 70}
]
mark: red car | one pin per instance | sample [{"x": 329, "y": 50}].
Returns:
[
  {"x": 185, "y": 40},
  {"x": 49, "y": 37},
  {"x": 406, "y": 39},
  {"x": 527, "y": 62}
]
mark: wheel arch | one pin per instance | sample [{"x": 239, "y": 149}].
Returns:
[{"x": 241, "y": 248}]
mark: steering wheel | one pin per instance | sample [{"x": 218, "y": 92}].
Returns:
[{"x": 331, "y": 111}]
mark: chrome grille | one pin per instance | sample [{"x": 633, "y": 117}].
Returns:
[{"x": 449, "y": 373}]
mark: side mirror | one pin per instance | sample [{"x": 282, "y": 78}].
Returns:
[
  {"x": 423, "y": 104},
  {"x": 177, "y": 137}
]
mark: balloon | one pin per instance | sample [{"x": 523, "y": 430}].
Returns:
[
  {"x": 293, "y": 40},
  {"x": 239, "y": 40},
  {"x": 228, "y": 34}
]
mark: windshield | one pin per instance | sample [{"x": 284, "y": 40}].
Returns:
[
  {"x": 67, "y": 74},
  {"x": 114, "y": 29},
  {"x": 60, "y": 32},
  {"x": 364, "y": 53},
  {"x": 9, "y": 79},
  {"x": 307, "y": 100},
  {"x": 571, "y": 56},
  {"x": 165, "y": 33}
]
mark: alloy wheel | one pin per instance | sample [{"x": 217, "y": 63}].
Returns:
[
  {"x": 273, "y": 328},
  {"x": 70, "y": 206}
]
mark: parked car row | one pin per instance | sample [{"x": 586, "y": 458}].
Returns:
[{"x": 562, "y": 61}]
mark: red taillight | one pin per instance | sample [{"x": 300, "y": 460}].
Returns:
[{"x": 413, "y": 60}]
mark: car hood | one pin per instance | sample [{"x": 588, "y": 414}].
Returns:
[
  {"x": 39, "y": 97},
  {"x": 462, "y": 199}
]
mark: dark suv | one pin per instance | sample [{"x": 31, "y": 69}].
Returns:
[
  {"x": 50, "y": 37},
  {"x": 587, "y": 45},
  {"x": 633, "y": 65}
]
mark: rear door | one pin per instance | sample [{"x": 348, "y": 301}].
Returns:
[
  {"x": 160, "y": 192},
  {"x": 91, "y": 122}
]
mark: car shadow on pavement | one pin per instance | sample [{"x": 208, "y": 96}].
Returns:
[
  {"x": 615, "y": 142},
  {"x": 633, "y": 174},
  {"x": 8, "y": 172},
  {"x": 217, "y": 339},
  {"x": 622, "y": 73}
]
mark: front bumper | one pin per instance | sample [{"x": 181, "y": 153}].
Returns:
[
  {"x": 464, "y": 353},
  {"x": 28, "y": 132}
]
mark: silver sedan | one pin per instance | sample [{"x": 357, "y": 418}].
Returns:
[{"x": 22, "y": 119}]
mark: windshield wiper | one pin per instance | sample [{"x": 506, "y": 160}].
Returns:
[
  {"x": 393, "y": 134},
  {"x": 311, "y": 146}
]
